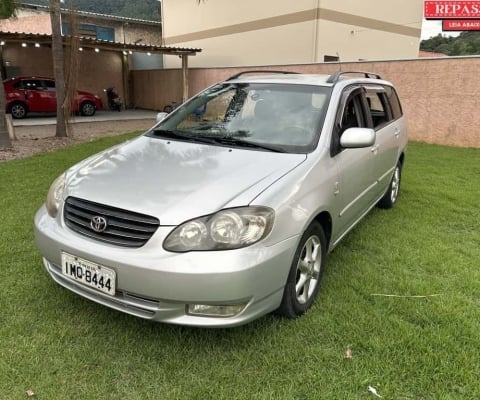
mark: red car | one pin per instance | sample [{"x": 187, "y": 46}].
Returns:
[{"x": 34, "y": 94}]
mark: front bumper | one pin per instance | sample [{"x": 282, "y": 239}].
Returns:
[{"x": 155, "y": 284}]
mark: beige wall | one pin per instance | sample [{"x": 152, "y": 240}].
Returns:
[
  {"x": 440, "y": 97},
  {"x": 253, "y": 32}
]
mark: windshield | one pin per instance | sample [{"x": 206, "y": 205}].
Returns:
[{"x": 267, "y": 117}]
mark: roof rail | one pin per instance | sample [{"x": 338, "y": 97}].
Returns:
[
  {"x": 336, "y": 75},
  {"x": 264, "y": 71}
]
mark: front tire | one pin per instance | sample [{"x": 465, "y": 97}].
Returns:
[
  {"x": 390, "y": 198},
  {"x": 303, "y": 282}
]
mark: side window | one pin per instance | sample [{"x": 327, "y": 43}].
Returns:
[
  {"x": 19, "y": 85},
  {"x": 32, "y": 84},
  {"x": 350, "y": 115},
  {"x": 377, "y": 109},
  {"x": 394, "y": 102},
  {"x": 50, "y": 85}
]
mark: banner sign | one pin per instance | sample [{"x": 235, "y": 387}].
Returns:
[
  {"x": 461, "y": 25},
  {"x": 453, "y": 9}
]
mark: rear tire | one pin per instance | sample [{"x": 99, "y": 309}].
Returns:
[
  {"x": 87, "y": 109},
  {"x": 18, "y": 110},
  {"x": 303, "y": 282},
  {"x": 390, "y": 197}
]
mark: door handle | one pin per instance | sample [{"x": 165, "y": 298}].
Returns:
[
  {"x": 374, "y": 149},
  {"x": 396, "y": 132}
]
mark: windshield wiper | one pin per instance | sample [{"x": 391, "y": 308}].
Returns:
[
  {"x": 210, "y": 139},
  {"x": 169, "y": 134},
  {"x": 231, "y": 140}
]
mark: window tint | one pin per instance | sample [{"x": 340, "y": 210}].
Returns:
[
  {"x": 105, "y": 33},
  {"x": 350, "y": 118},
  {"x": 32, "y": 84},
  {"x": 378, "y": 108},
  {"x": 394, "y": 102},
  {"x": 50, "y": 85},
  {"x": 351, "y": 115},
  {"x": 90, "y": 31}
]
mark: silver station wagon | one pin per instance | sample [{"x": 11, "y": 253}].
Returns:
[{"x": 226, "y": 209}]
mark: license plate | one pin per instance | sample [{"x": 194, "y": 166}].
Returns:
[{"x": 89, "y": 273}]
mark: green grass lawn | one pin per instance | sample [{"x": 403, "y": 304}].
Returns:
[{"x": 61, "y": 346}]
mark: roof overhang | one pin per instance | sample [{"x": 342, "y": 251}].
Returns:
[
  {"x": 20, "y": 37},
  {"x": 105, "y": 17}
]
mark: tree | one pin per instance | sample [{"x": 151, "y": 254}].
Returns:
[
  {"x": 58, "y": 69},
  {"x": 7, "y": 9},
  {"x": 467, "y": 43}
]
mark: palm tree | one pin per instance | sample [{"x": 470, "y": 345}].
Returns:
[{"x": 7, "y": 9}]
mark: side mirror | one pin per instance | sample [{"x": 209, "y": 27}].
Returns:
[
  {"x": 161, "y": 116},
  {"x": 354, "y": 138}
]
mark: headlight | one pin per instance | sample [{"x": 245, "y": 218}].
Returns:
[
  {"x": 55, "y": 196},
  {"x": 227, "y": 229}
]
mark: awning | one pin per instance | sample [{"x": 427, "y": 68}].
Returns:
[
  {"x": 100, "y": 44},
  {"x": 84, "y": 42}
]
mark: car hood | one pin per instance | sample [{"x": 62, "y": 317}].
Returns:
[{"x": 176, "y": 181}]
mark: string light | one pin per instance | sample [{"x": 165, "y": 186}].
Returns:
[{"x": 96, "y": 49}]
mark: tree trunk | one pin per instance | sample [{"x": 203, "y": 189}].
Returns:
[
  {"x": 7, "y": 9},
  {"x": 5, "y": 142},
  {"x": 58, "y": 69}
]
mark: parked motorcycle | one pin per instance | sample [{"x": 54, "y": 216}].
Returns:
[{"x": 114, "y": 100}]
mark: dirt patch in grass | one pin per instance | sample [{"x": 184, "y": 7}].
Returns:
[{"x": 41, "y": 139}]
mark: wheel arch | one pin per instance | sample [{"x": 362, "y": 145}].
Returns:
[
  {"x": 12, "y": 103},
  {"x": 325, "y": 220},
  {"x": 85, "y": 102}
]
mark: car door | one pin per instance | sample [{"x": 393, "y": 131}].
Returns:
[
  {"x": 355, "y": 181},
  {"x": 35, "y": 95},
  {"x": 49, "y": 95},
  {"x": 387, "y": 130}
]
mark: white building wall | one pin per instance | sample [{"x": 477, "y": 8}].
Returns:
[{"x": 262, "y": 32}]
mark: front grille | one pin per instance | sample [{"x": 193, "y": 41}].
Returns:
[{"x": 124, "y": 228}]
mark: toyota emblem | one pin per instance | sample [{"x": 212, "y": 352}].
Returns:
[{"x": 98, "y": 223}]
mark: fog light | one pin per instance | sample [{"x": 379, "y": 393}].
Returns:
[{"x": 221, "y": 311}]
